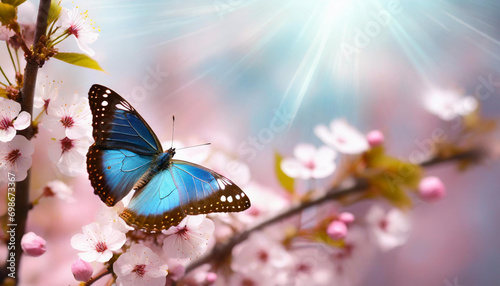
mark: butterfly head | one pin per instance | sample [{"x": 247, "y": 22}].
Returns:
[{"x": 171, "y": 152}]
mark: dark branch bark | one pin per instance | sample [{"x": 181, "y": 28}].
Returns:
[{"x": 27, "y": 96}]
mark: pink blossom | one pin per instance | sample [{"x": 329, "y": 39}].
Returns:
[
  {"x": 346, "y": 217},
  {"x": 337, "y": 230},
  {"x": 33, "y": 245},
  {"x": 12, "y": 119},
  {"x": 342, "y": 137},
  {"x": 69, "y": 116},
  {"x": 140, "y": 266},
  {"x": 5, "y": 33},
  {"x": 15, "y": 157},
  {"x": 389, "y": 229},
  {"x": 189, "y": 239},
  {"x": 375, "y": 138},
  {"x": 260, "y": 254},
  {"x": 81, "y": 27},
  {"x": 69, "y": 154},
  {"x": 431, "y": 189},
  {"x": 97, "y": 243},
  {"x": 46, "y": 93},
  {"x": 449, "y": 104},
  {"x": 111, "y": 216},
  {"x": 310, "y": 162},
  {"x": 82, "y": 270},
  {"x": 59, "y": 189}
]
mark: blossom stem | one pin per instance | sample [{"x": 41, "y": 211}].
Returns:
[
  {"x": 3, "y": 84},
  {"x": 101, "y": 274},
  {"x": 11, "y": 57},
  {"x": 58, "y": 39},
  {"x": 223, "y": 249},
  {"x": 27, "y": 96},
  {"x": 8, "y": 81},
  {"x": 18, "y": 63}
]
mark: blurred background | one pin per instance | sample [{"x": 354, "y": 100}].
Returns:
[{"x": 228, "y": 69}]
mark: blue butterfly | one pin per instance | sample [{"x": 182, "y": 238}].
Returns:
[{"x": 128, "y": 156}]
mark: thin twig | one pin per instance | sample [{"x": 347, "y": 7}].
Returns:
[
  {"x": 12, "y": 58},
  {"x": 101, "y": 274},
  {"x": 222, "y": 250}
]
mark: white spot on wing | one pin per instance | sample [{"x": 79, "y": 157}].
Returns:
[
  {"x": 222, "y": 184},
  {"x": 108, "y": 91},
  {"x": 223, "y": 198},
  {"x": 104, "y": 103},
  {"x": 237, "y": 197},
  {"x": 230, "y": 199}
]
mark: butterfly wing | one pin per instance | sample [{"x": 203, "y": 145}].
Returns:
[
  {"x": 117, "y": 125},
  {"x": 182, "y": 189},
  {"x": 124, "y": 145}
]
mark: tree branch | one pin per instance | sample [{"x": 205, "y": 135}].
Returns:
[
  {"x": 224, "y": 249},
  {"x": 27, "y": 96}
]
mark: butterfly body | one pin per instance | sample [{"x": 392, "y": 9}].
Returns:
[{"x": 128, "y": 156}]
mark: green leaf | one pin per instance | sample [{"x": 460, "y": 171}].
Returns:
[
  {"x": 77, "y": 59},
  {"x": 14, "y": 3},
  {"x": 286, "y": 182},
  {"x": 54, "y": 11},
  {"x": 7, "y": 13}
]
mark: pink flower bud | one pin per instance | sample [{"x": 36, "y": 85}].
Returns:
[
  {"x": 211, "y": 277},
  {"x": 375, "y": 138},
  {"x": 82, "y": 270},
  {"x": 431, "y": 189},
  {"x": 346, "y": 217},
  {"x": 32, "y": 244},
  {"x": 337, "y": 230}
]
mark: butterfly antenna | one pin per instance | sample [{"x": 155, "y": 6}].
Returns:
[
  {"x": 173, "y": 127},
  {"x": 204, "y": 144}
]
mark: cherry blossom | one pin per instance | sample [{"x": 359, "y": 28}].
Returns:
[
  {"x": 12, "y": 119},
  {"x": 311, "y": 266},
  {"x": 337, "y": 230},
  {"x": 431, "y": 189},
  {"x": 140, "y": 266},
  {"x": 79, "y": 25},
  {"x": 238, "y": 279},
  {"x": 15, "y": 157},
  {"x": 47, "y": 92},
  {"x": 33, "y": 245},
  {"x": 59, "y": 189},
  {"x": 189, "y": 239},
  {"x": 97, "y": 243},
  {"x": 375, "y": 138},
  {"x": 449, "y": 104},
  {"x": 69, "y": 154},
  {"x": 5, "y": 33},
  {"x": 342, "y": 137},
  {"x": 69, "y": 116},
  {"x": 111, "y": 216},
  {"x": 388, "y": 229},
  {"x": 260, "y": 253},
  {"x": 310, "y": 162},
  {"x": 82, "y": 270}
]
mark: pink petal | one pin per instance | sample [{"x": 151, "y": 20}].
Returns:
[{"x": 22, "y": 121}]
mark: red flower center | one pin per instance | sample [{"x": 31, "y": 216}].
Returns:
[
  {"x": 140, "y": 269},
  {"x": 46, "y": 105},
  {"x": 13, "y": 156},
  {"x": 5, "y": 123},
  {"x": 383, "y": 224},
  {"x": 263, "y": 256},
  {"x": 183, "y": 232},
  {"x": 247, "y": 282},
  {"x": 72, "y": 30},
  {"x": 310, "y": 165},
  {"x": 66, "y": 144},
  {"x": 101, "y": 246},
  {"x": 67, "y": 121}
]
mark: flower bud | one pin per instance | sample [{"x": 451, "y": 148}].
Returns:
[
  {"x": 337, "y": 230},
  {"x": 375, "y": 138},
  {"x": 346, "y": 217},
  {"x": 32, "y": 244},
  {"x": 82, "y": 270},
  {"x": 211, "y": 277},
  {"x": 431, "y": 189}
]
